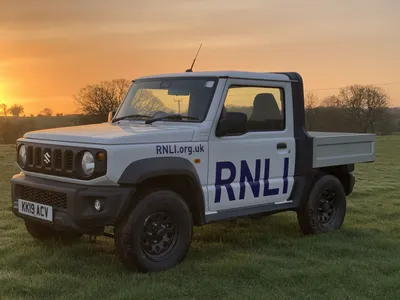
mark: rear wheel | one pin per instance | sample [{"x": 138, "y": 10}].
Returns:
[
  {"x": 42, "y": 232},
  {"x": 157, "y": 234},
  {"x": 325, "y": 208}
]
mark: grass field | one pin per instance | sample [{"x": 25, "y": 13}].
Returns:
[{"x": 243, "y": 259}]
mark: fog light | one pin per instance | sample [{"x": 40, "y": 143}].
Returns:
[{"x": 97, "y": 205}]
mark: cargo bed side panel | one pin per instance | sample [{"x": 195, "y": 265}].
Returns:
[{"x": 332, "y": 149}]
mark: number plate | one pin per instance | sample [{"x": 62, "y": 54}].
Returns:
[{"x": 35, "y": 210}]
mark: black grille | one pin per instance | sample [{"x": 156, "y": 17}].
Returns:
[
  {"x": 57, "y": 160},
  {"x": 54, "y": 199}
]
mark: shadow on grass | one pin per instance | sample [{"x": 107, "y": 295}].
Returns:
[
  {"x": 264, "y": 240},
  {"x": 209, "y": 242}
]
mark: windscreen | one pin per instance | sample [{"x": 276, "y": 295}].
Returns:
[{"x": 185, "y": 96}]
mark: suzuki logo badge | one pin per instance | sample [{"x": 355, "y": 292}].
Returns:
[{"x": 47, "y": 158}]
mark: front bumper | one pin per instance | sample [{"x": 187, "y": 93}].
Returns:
[{"x": 73, "y": 204}]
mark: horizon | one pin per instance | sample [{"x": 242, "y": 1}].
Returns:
[{"x": 50, "y": 51}]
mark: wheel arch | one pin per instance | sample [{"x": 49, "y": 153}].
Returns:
[
  {"x": 304, "y": 184},
  {"x": 175, "y": 173},
  {"x": 344, "y": 174}
]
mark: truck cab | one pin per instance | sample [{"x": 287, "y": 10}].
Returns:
[{"x": 184, "y": 150}]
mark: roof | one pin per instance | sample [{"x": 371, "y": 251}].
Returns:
[{"x": 230, "y": 74}]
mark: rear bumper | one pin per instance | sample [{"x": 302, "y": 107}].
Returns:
[{"x": 73, "y": 204}]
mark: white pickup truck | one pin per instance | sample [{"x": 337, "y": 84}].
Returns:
[{"x": 185, "y": 150}]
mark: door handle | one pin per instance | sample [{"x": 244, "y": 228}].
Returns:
[{"x": 281, "y": 146}]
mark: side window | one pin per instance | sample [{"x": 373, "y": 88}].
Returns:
[{"x": 264, "y": 106}]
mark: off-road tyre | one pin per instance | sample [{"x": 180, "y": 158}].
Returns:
[
  {"x": 324, "y": 209},
  {"x": 45, "y": 233},
  {"x": 156, "y": 234}
]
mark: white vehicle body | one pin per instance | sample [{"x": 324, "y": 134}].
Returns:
[{"x": 251, "y": 173}]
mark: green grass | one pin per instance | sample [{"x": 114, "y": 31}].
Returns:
[{"x": 242, "y": 259}]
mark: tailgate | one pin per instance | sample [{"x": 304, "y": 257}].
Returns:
[{"x": 332, "y": 149}]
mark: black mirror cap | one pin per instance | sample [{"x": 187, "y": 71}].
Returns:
[
  {"x": 111, "y": 115},
  {"x": 232, "y": 123}
]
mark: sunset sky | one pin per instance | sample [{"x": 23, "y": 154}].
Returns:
[{"x": 50, "y": 49}]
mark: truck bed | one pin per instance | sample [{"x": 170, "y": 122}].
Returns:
[{"x": 337, "y": 148}]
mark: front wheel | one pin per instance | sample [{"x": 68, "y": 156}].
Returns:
[
  {"x": 325, "y": 208},
  {"x": 157, "y": 234}
]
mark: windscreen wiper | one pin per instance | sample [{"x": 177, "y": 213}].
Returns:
[
  {"x": 175, "y": 116},
  {"x": 130, "y": 116}
]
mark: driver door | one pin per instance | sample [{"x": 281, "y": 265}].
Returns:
[{"x": 257, "y": 167}]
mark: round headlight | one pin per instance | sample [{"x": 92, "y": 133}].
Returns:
[
  {"x": 22, "y": 155},
  {"x": 87, "y": 163}
]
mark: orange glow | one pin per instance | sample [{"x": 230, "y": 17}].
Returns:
[
  {"x": 60, "y": 48},
  {"x": 3, "y": 97}
]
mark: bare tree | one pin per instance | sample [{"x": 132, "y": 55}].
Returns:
[
  {"x": 310, "y": 102},
  {"x": 16, "y": 110},
  {"x": 332, "y": 101},
  {"x": 365, "y": 104},
  {"x": 46, "y": 112},
  {"x": 3, "y": 108},
  {"x": 145, "y": 102},
  {"x": 100, "y": 98}
]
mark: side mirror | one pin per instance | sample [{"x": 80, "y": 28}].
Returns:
[
  {"x": 111, "y": 115},
  {"x": 233, "y": 123}
]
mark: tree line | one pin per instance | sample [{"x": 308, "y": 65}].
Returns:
[
  {"x": 355, "y": 108},
  {"x": 17, "y": 110}
]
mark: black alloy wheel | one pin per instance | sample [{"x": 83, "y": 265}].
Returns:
[
  {"x": 159, "y": 236},
  {"x": 327, "y": 206}
]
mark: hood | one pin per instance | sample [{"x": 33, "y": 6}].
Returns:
[{"x": 113, "y": 133}]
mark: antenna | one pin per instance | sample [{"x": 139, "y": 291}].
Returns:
[{"x": 194, "y": 60}]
